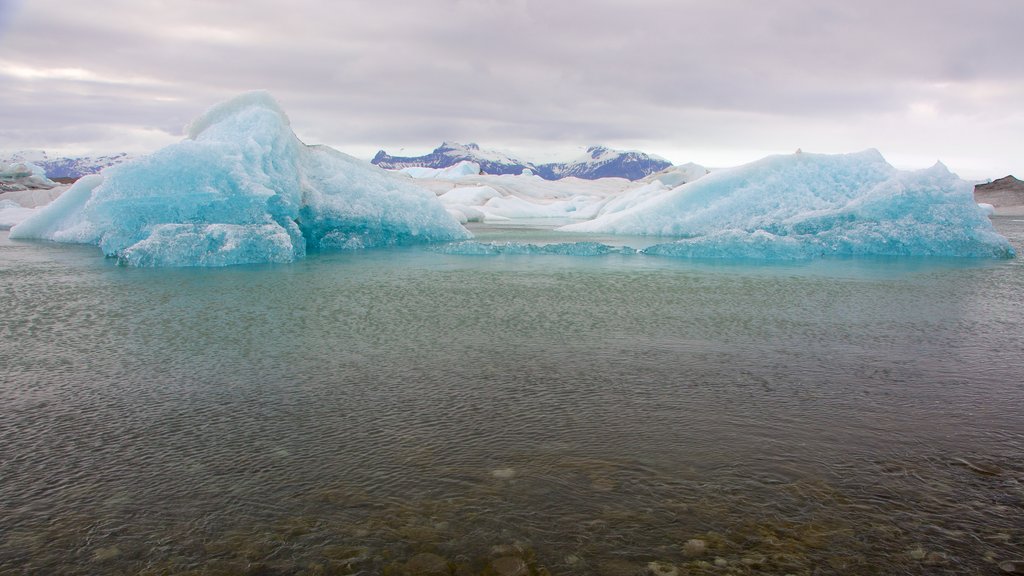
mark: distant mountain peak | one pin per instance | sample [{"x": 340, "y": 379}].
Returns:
[
  {"x": 65, "y": 167},
  {"x": 598, "y": 162}
]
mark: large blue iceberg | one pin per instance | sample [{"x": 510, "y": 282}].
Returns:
[
  {"x": 241, "y": 189},
  {"x": 805, "y": 205}
]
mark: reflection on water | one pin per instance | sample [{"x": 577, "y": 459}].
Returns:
[{"x": 410, "y": 412}]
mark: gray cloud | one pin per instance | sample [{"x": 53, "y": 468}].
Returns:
[{"x": 657, "y": 73}]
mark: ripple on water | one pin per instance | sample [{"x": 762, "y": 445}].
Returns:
[{"x": 375, "y": 413}]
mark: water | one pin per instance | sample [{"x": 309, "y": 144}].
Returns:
[{"x": 358, "y": 413}]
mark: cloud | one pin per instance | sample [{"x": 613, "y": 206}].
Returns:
[{"x": 521, "y": 72}]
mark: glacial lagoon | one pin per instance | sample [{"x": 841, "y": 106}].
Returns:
[{"x": 411, "y": 411}]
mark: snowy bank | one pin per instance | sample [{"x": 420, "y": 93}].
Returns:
[
  {"x": 240, "y": 189},
  {"x": 805, "y": 205}
]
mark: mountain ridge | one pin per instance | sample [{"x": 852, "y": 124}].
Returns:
[
  {"x": 598, "y": 162},
  {"x": 64, "y": 167}
]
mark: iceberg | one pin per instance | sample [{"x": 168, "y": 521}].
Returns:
[
  {"x": 806, "y": 205},
  {"x": 241, "y": 188},
  {"x": 460, "y": 170},
  {"x": 23, "y": 176}
]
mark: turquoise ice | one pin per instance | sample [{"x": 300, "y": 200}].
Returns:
[
  {"x": 241, "y": 188},
  {"x": 806, "y": 205}
]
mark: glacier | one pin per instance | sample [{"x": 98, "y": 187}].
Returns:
[
  {"x": 806, "y": 205},
  {"x": 240, "y": 189}
]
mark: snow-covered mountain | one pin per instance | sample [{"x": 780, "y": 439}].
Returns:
[
  {"x": 603, "y": 162},
  {"x": 451, "y": 153},
  {"x": 598, "y": 162},
  {"x": 64, "y": 167}
]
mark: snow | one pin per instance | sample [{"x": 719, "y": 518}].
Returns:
[
  {"x": 64, "y": 166},
  {"x": 503, "y": 197},
  {"x": 459, "y": 170},
  {"x": 469, "y": 195},
  {"x": 632, "y": 197},
  {"x": 240, "y": 189},
  {"x": 679, "y": 175},
  {"x": 805, "y": 205},
  {"x": 497, "y": 156},
  {"x": 34, "y": 197},
  {"x": 527, "y": 196}
]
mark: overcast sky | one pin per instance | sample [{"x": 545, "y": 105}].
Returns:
[{"x": 716, "y": 82}]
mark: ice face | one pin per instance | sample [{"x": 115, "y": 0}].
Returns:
[
  {"x": 806, "y": 205},
  {"x": 241, "y": 189}
]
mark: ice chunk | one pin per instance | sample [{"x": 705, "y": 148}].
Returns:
[
  {"x": 63, "y": 219},
  {"x": 681, "y": 174},
  {"x": 454, "y": 172},
  {"x": 12, "y": 213},
  {"x": 805, "y": 205},
  {"x": 469, "y": 195},
  {"x": 35, "y": 197},
  {"x": 241, "y": 189},
  {"x": 516, "y": 207},
  {"x": 23, "y": 176},
  {"x": 633, "y": 197}
]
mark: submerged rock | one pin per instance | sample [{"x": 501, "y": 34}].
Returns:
[
  {"x": 504, "y": 473},
  {"x": 657, "y": 568},
  {"x": 1012, "y": 566},
  {"x": 695, "y": 547},
  {"x": 508, "y": 566},
  {"x": 426, "y": 564}
]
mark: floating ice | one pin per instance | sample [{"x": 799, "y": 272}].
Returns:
[
  {"x": 240, "y": 189},
  {"x": 23, "y": 176},
  {"x": 806, "y": 205},
  {"x": 12, "y": 213},
  {"x": 471, "y": 248},
  {"x": 464, "y": 202},
  {"x": 515, "y": 207},
  {"x": 454, "y": 172},
  {"x": 632, "y": 197},
  {"x": 469, "y": 195},
  {"x": 681, "y": 174}
]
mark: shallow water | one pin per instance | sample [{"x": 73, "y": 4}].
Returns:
[{"x": 587, "y": 415}]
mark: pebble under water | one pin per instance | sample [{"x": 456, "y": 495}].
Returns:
[{"x": 408, "y": 411}]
